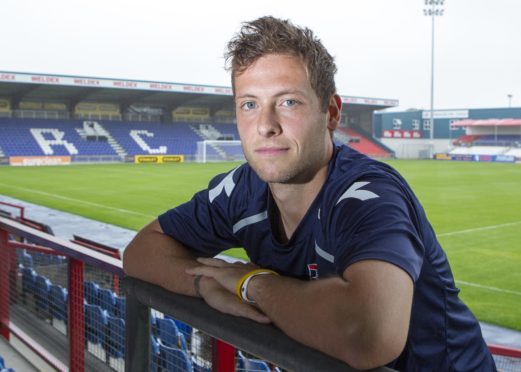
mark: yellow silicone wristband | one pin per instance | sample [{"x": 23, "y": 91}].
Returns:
[{"x": 240, "y": 283}]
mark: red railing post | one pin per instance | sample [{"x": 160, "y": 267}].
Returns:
[
  {"x": 76, "y": 328},
  {"x": 223, "y": 356},
  {"x": 5, "y": 262}
]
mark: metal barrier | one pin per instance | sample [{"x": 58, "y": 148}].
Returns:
[{"x": 264, "y": 341}]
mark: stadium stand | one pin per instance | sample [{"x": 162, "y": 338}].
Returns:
[
  {"x": 76, "y": 138},
  {"x": 362, "y": 143},
  {"x": 37, "y": 137}
]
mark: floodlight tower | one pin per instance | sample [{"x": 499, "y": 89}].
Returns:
[
  {"x": 433, "y": 9},
  {"x": 509, "y": 100}
]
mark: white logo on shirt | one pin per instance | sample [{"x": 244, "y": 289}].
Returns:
[
  {"x": 354, "y": 192},
  {"x": 227, "y": 184}
]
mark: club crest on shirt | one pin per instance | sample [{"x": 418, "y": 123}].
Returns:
[{"x": 313, "y": 271}]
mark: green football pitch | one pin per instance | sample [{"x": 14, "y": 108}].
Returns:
[{"x": 475, "y": 209}]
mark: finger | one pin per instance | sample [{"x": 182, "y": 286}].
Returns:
[
  {"x": 245, "y": 310},
  {"x": 215, "y": 262}
]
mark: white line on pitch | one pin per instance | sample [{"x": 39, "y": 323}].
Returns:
[
  {"x": 495, "y": 289},
  {"x": 78, "y": 201},
  {"x": 492, "y": 227}
]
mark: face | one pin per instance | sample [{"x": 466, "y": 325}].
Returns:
[{"x": 285, "y": 135}]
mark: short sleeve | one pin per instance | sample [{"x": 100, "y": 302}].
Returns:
[
  {"x": 380, "y": 224},
  {"x": 200, "y": 224}
]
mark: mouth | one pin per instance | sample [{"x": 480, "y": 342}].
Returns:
[{"x": 271, "y": 151}]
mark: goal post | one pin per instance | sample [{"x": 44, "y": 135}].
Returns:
[{"x": 218, "y": 150}]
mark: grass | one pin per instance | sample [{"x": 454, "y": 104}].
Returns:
[{"x": 475, "y": 208}]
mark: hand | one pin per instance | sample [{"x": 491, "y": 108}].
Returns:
[
  {"x": 225, "y": 273},
  {"x": 221, "y": 299}
]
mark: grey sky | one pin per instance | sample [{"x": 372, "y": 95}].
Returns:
[{"x": 382, "y": 47}]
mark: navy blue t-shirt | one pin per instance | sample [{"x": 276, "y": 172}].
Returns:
[{"x": 365, "y": 210}]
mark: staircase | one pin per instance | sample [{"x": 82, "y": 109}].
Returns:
[{"x": 97, "y": 129}]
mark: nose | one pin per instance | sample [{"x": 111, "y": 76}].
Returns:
[{"x": 268, "y": 124}]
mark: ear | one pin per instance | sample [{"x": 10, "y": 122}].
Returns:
[{"x": 334, "y": 110}]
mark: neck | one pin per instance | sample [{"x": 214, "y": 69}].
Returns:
[{"x": 294, "y": 200}]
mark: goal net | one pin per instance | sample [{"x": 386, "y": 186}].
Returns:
[{"x": 215, "y": 150}]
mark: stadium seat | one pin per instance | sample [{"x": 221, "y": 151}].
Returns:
[
  {"x": 28, "y": 280},
  {"x": 58, "y": 302},
  {"x": 183, "y": 328},
  {"x": 256, "y": 365},
  {"x": 96, "y": 320},
  {"x": 167, "y": 332},
  {"x": 248, "y": 364},
  {"x": 116, "y": 337},
  {"x": 43, "y": 288},
  {"x": 90, "y": 291},
  {"x": 174, "y": 359},
  {"x": 27, "y": 260},
  {"x": 107, "y": 300}
]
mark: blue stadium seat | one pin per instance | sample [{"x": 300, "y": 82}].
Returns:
[
  {"x": 116, "y": 337},
  {"x": 43, "y": 288},
  {"x": 90, "y": 292},
  {"x": 107, "y": 300},
  {"x": 27, "y": 260},
  {"x": 2, "y": 365},
  {"x": 58, "y": 302},
  {"x": 96, "y": 321},
  {"x": 183, "y": 328},
  {"x": 28, "y": 280},
  {"x": 167, "y": 331},
  {"x": 256, "y": 365},
  {"x": 248, "y": 364},
  {"x": 174, "y": 359},
  {"x": 181, "y": 340}
]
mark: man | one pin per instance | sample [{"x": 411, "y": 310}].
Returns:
[{"x": 304, "y": 209}]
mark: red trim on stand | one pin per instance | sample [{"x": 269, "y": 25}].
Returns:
[
  {"x": 76, "y": 328},
  {"x": 504, "y": 351},
  {"x": 4, "y": 283},
  {"x": 15, "y": 206},
  {"x": 223, "y": 356}
]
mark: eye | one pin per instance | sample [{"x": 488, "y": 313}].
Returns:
[
  {"x": 248, "y": 105},
  {"x": 289, "y": 102}
]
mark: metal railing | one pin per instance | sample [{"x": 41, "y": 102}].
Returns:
[{"x": 264, "y": 341}]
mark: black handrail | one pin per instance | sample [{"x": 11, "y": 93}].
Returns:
[{"x": 264, "y": 341}]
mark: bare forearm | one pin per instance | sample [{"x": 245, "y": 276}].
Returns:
[
  {"x": 363, "y": 322},
  {"x": 154, "y": 257},
  {"x": 304, "y": 311}
]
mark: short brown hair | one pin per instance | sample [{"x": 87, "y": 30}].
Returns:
[{"x": 270, "y": 35}]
